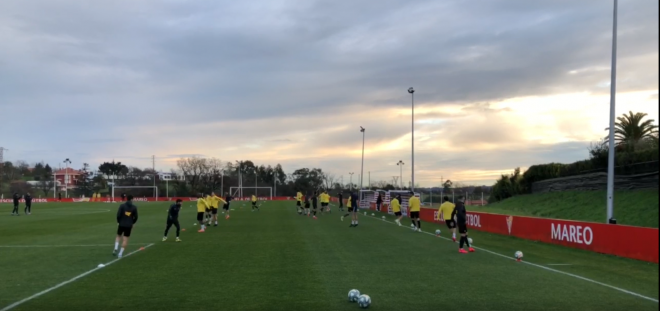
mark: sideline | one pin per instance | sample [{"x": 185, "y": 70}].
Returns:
[
  {"x": 531, "y": 264},
  {"x": 41, "y": 293}
]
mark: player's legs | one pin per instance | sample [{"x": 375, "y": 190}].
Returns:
[
  {"x": 15, "y": 211},
  {"x": 167, "y": 229},
  {"x": 178, "y": 229},
  {"x": 462, "y": 230},
  {"x": 200, "y": 219},
  {"x": 124, "y": 243},
  {"x": 29, "y": 208},
  {"x": 226, "y": 210}
]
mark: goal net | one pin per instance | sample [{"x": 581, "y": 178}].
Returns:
[
  {"x": 136, "y": 191},
  {"x": 247, "y": 192}
]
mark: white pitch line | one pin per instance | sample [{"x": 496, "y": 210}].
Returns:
[
  {"x": 41, "y": 293},
  {"x": 542, "y": 267},
  {"x": 559, "y": 264},
  {"x": 45, "y": 246}
]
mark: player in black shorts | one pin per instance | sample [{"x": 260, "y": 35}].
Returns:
[
  {"x": 461, "y": 222},
  {"x": 225, "y": 207},
  {"x": 315, "y": 203},
  {"x": 127, "y": 216},
  {"x": 173, "y": 219},
  {"x": 307, "y": 205},
  {"x": 354, "y": 209},
  {"x": 340, "y": 197}
]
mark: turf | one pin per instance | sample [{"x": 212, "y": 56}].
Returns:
[
  {"x": 634, "y": 208},
  {"x": 275, "y": 259}
]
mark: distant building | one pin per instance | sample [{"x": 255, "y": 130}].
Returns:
[{"x": 67, "y": 177}]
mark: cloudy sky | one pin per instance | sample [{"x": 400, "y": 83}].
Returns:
[{"x": 499, "y": 83}]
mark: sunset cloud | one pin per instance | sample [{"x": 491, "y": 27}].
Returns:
[{"x": 500, "y": 84}]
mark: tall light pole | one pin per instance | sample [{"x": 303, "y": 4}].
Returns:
[
  {"x": 412, "y": 96},
  {"x": 362, "y": 165},
  {"x": 351, "y": 182},
  {"x": 274, "y": 184},
  {"x": 610, "y": 160},
  {"x": 400, "y": 164},
  {"x": 66, "y": 177}
]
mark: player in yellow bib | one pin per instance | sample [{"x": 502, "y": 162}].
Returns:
[
  {"x": 414, "y": 205},
  {"x": 214, "y": 201},
  {"x": 299, "y": 197},
  {"x": 396, "y": 208},
  {"x": 325, "y": 202},
  {"x": 202, "y": 206},
  {"x": 445, "y": 212},
  {"x": 254, "y": 203}
]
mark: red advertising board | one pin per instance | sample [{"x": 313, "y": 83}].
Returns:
[
  {"x": 624, "y": 241},
  {"x": 142, "y": 199}
]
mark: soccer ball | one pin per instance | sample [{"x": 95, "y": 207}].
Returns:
[
  {"x": 519, "y": 255},
  {"x": 437, "y": 232},
  {"x": 470, "y": 241},
  {"x": 412, "y": 226},
  {"x": 383, "y": 217},
  {"x": 373, "y": 214},
  {"x": 364, "y": 301},
  {"x": 365, "y": 213},
  {"x": 353, "y": 295}
]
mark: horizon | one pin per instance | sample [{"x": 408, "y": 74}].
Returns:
[{"x": 498, "y": 84}]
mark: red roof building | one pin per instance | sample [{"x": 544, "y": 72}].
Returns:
[{"x": 67, "y": 176}]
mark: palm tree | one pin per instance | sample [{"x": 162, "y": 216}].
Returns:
[{"x": 630, "y": 129}]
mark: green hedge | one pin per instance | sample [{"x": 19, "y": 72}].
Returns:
[{"x": 627, "y": 163}]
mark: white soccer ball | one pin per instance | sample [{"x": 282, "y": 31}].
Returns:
[
  {"x": 365, "y": 213},
  {"x": 353, "y": 295},
  {"x": 364, "y": 301},
  {"x": 470, "y": 241},
  {"x": 437, "y": 232},
  {"x": 383, "y": 217},
  {"x": 373, "y": 214},
  {"x": 519, "y": 255},
  {"x": 101, "y": 265},
  {"x": 412, "y": 226}
]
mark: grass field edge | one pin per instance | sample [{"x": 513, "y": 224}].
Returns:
[
  {"x": 537, "y": 266},
  {"x": 80, "y": 276}
]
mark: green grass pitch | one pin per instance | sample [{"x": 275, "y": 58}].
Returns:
[{"x": 275, "y": 259}]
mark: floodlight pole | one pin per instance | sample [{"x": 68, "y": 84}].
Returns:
[
  {"x": 610, "y": 161},
  {"x": 412, "y": 97},
  {"x": 400, "y": 164},
  {"x": 362, "y": 165},
  {"x": 66, "y": 177}
]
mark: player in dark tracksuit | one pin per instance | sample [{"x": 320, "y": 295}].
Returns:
[
  {"x": 28, "y": 204},
  {"x": 127, "y": 216},
  {"x": 315, "y": 203},
  {"x": 16, "y": 198},
  {"x": 173, "y": 219},
  {"x": 340, "y": 197},
  {"x": 461, "y": 220},
  {"x": 379, "y": 201}
]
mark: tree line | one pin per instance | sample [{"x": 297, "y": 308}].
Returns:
[{"x": 636, "y": 152}]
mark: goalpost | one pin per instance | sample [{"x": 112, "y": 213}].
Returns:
[
  {"x": 241, "y": 191},
  {"x": 133, "y": 187}
]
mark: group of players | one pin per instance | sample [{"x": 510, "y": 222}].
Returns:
[
  {"x": 307, "y": 205},
  {"x": 454, "y": 215},
  {"x": 28, "y": 203}
]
